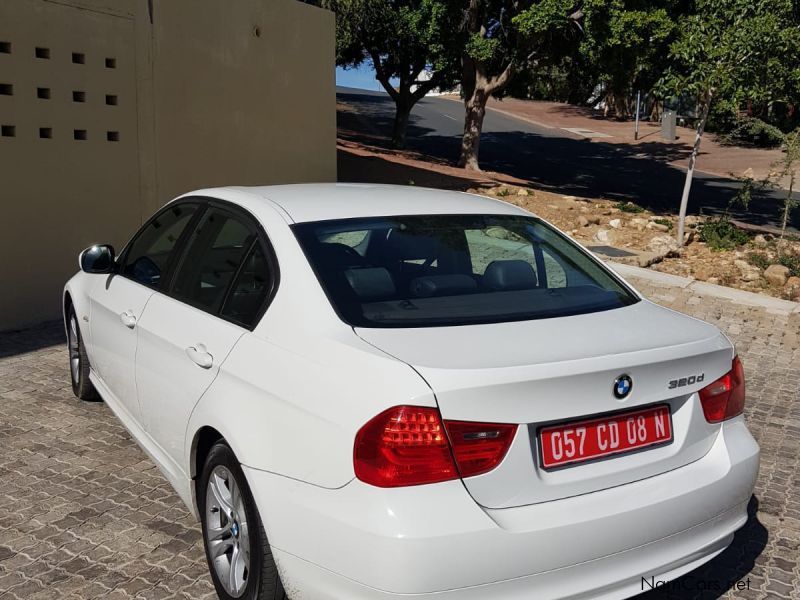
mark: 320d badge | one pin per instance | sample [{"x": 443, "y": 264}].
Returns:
[{"x": 684, "y": 381}]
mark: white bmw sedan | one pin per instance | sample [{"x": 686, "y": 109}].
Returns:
[{"x": 369, "y": 392}]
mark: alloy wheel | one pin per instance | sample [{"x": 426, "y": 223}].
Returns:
[
  {"x": 227, "y": 533},
  {"x": 74, "y": 350}
]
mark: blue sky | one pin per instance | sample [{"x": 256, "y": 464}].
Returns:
[{"x": 362, "y": 77}]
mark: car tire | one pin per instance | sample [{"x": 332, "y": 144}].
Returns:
[
  {"x": 239, "y": 557},
  {"x": 78, "y": 360}
]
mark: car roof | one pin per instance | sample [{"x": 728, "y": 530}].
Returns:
[{"x": 326, "y": 201}]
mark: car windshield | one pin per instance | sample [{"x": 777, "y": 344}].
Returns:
[{"x": 444, "y": 270}]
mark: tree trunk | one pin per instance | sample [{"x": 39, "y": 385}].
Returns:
[
  {"x": 655, "y": 113},
  {"x": 621, "y": 112},
  {"x": 787, "y": 207},
  {"x": 401, "y": 118},
  {"x": 475, "y": 110},
  {"x": 687, "y": 186}
]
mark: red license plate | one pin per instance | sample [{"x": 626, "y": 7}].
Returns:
[{"x": 579, "y": 441}]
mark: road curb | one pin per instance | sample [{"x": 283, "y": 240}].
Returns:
[{"x": 772, "y": 305}]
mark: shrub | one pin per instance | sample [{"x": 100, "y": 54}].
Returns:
[
  {"x": 758, "y": 259},
  {"x": 721, "y": 234},
  {"x": 762, "y": 261},
  {"x": 750, "y": 131},
  {"x": 663, "y": 221},
  {"x": 629, "y": 207},
  {"x": 790, "y": 262}
]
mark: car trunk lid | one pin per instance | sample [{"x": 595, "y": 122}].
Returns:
[{"x": 541, "y": 372}]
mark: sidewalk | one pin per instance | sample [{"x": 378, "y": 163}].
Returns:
[{"x": 583, "y": 122}]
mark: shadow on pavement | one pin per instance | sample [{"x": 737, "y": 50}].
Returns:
[
  {"x": 32, "y": 339},
  {"x": 580, "y": 167},
  {"x": 714, "y": 579}
]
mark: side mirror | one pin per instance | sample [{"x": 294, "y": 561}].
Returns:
[{"x": 97, "y": 259}]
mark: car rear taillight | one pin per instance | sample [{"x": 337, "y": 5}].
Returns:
[
  {"x": 724, "y": 398},
  {"x": 408, "y": 445},
  {"x": 479, "y": 447},
  {"x": 405, "y": 445}
]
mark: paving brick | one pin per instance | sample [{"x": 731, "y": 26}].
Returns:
[{"x": 84, "y": 513}]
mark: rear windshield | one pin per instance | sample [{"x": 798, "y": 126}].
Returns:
[{"x": 444, "y": 270}]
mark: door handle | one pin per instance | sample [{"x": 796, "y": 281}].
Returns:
[
  {"x": 128, "y": 319},
  {"x": 200, "y": 356}
]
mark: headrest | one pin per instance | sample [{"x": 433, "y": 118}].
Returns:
[
  {"x": 406, "y": 245},
  {"x": 441, "y": 285},
  {"x": 510, "y": 275},
  {"x": 339, "y": 255},
  {"x": 370, "y": 283}
]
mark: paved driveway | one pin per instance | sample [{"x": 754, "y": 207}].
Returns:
[{"x": 84, "y": 513}]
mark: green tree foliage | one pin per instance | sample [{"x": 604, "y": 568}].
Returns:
[
  {"x": 744, "y": 51},
  {"x": 501, "y": 38},
  {"x": 626, "y": 46},
  {"x": 403, "y": 39}
]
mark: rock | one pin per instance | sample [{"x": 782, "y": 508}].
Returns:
[
  {"x": 747, "y": 271},
  {"x": 553, "y": 206},
  {"x": 793, "y": 288},
  {"x": 663, "y": 244},
  {"x": 500, "y": 233},
  {"x": 751, "y": 276},
  {"x": 583, "y": 221},
  {"x": 760, "y": 240},
  {"x": 703, "y": 273},
  {"x": 689, "y": 237},
  {"x": 602, "y": 236},
  {"x": 645, "y": 259},
  {"x": 570, "y": 198},
  {"x": 692, "y": 220},
  {"x": 657, "y": 226},
  {"x": 638, "y": 223},
  {"x": 593, "y": 220},
  {"x": 523, "y": 192},
  {"x": 777, "y": 275},
  {"x": 714, "y": 280},
  {"x": 615, "y": 223}
]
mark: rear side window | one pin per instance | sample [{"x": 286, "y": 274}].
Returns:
[
  {"x": 250, "y": 289},
  {"x": 444, "y": 270},
  {"x": 212, "y": 259},
  {"x": 150, "y": 252}
]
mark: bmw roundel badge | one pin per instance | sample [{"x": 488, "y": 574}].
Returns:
[{"x": 622, "y": 386}]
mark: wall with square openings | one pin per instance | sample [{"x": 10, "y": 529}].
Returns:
[{"x": 110, "y": 109}]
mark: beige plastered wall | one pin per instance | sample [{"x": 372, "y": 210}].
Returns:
[{"x": 110, "y": 108}]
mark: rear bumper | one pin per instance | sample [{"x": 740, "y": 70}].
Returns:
[{"x": 362, "y": 542}]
